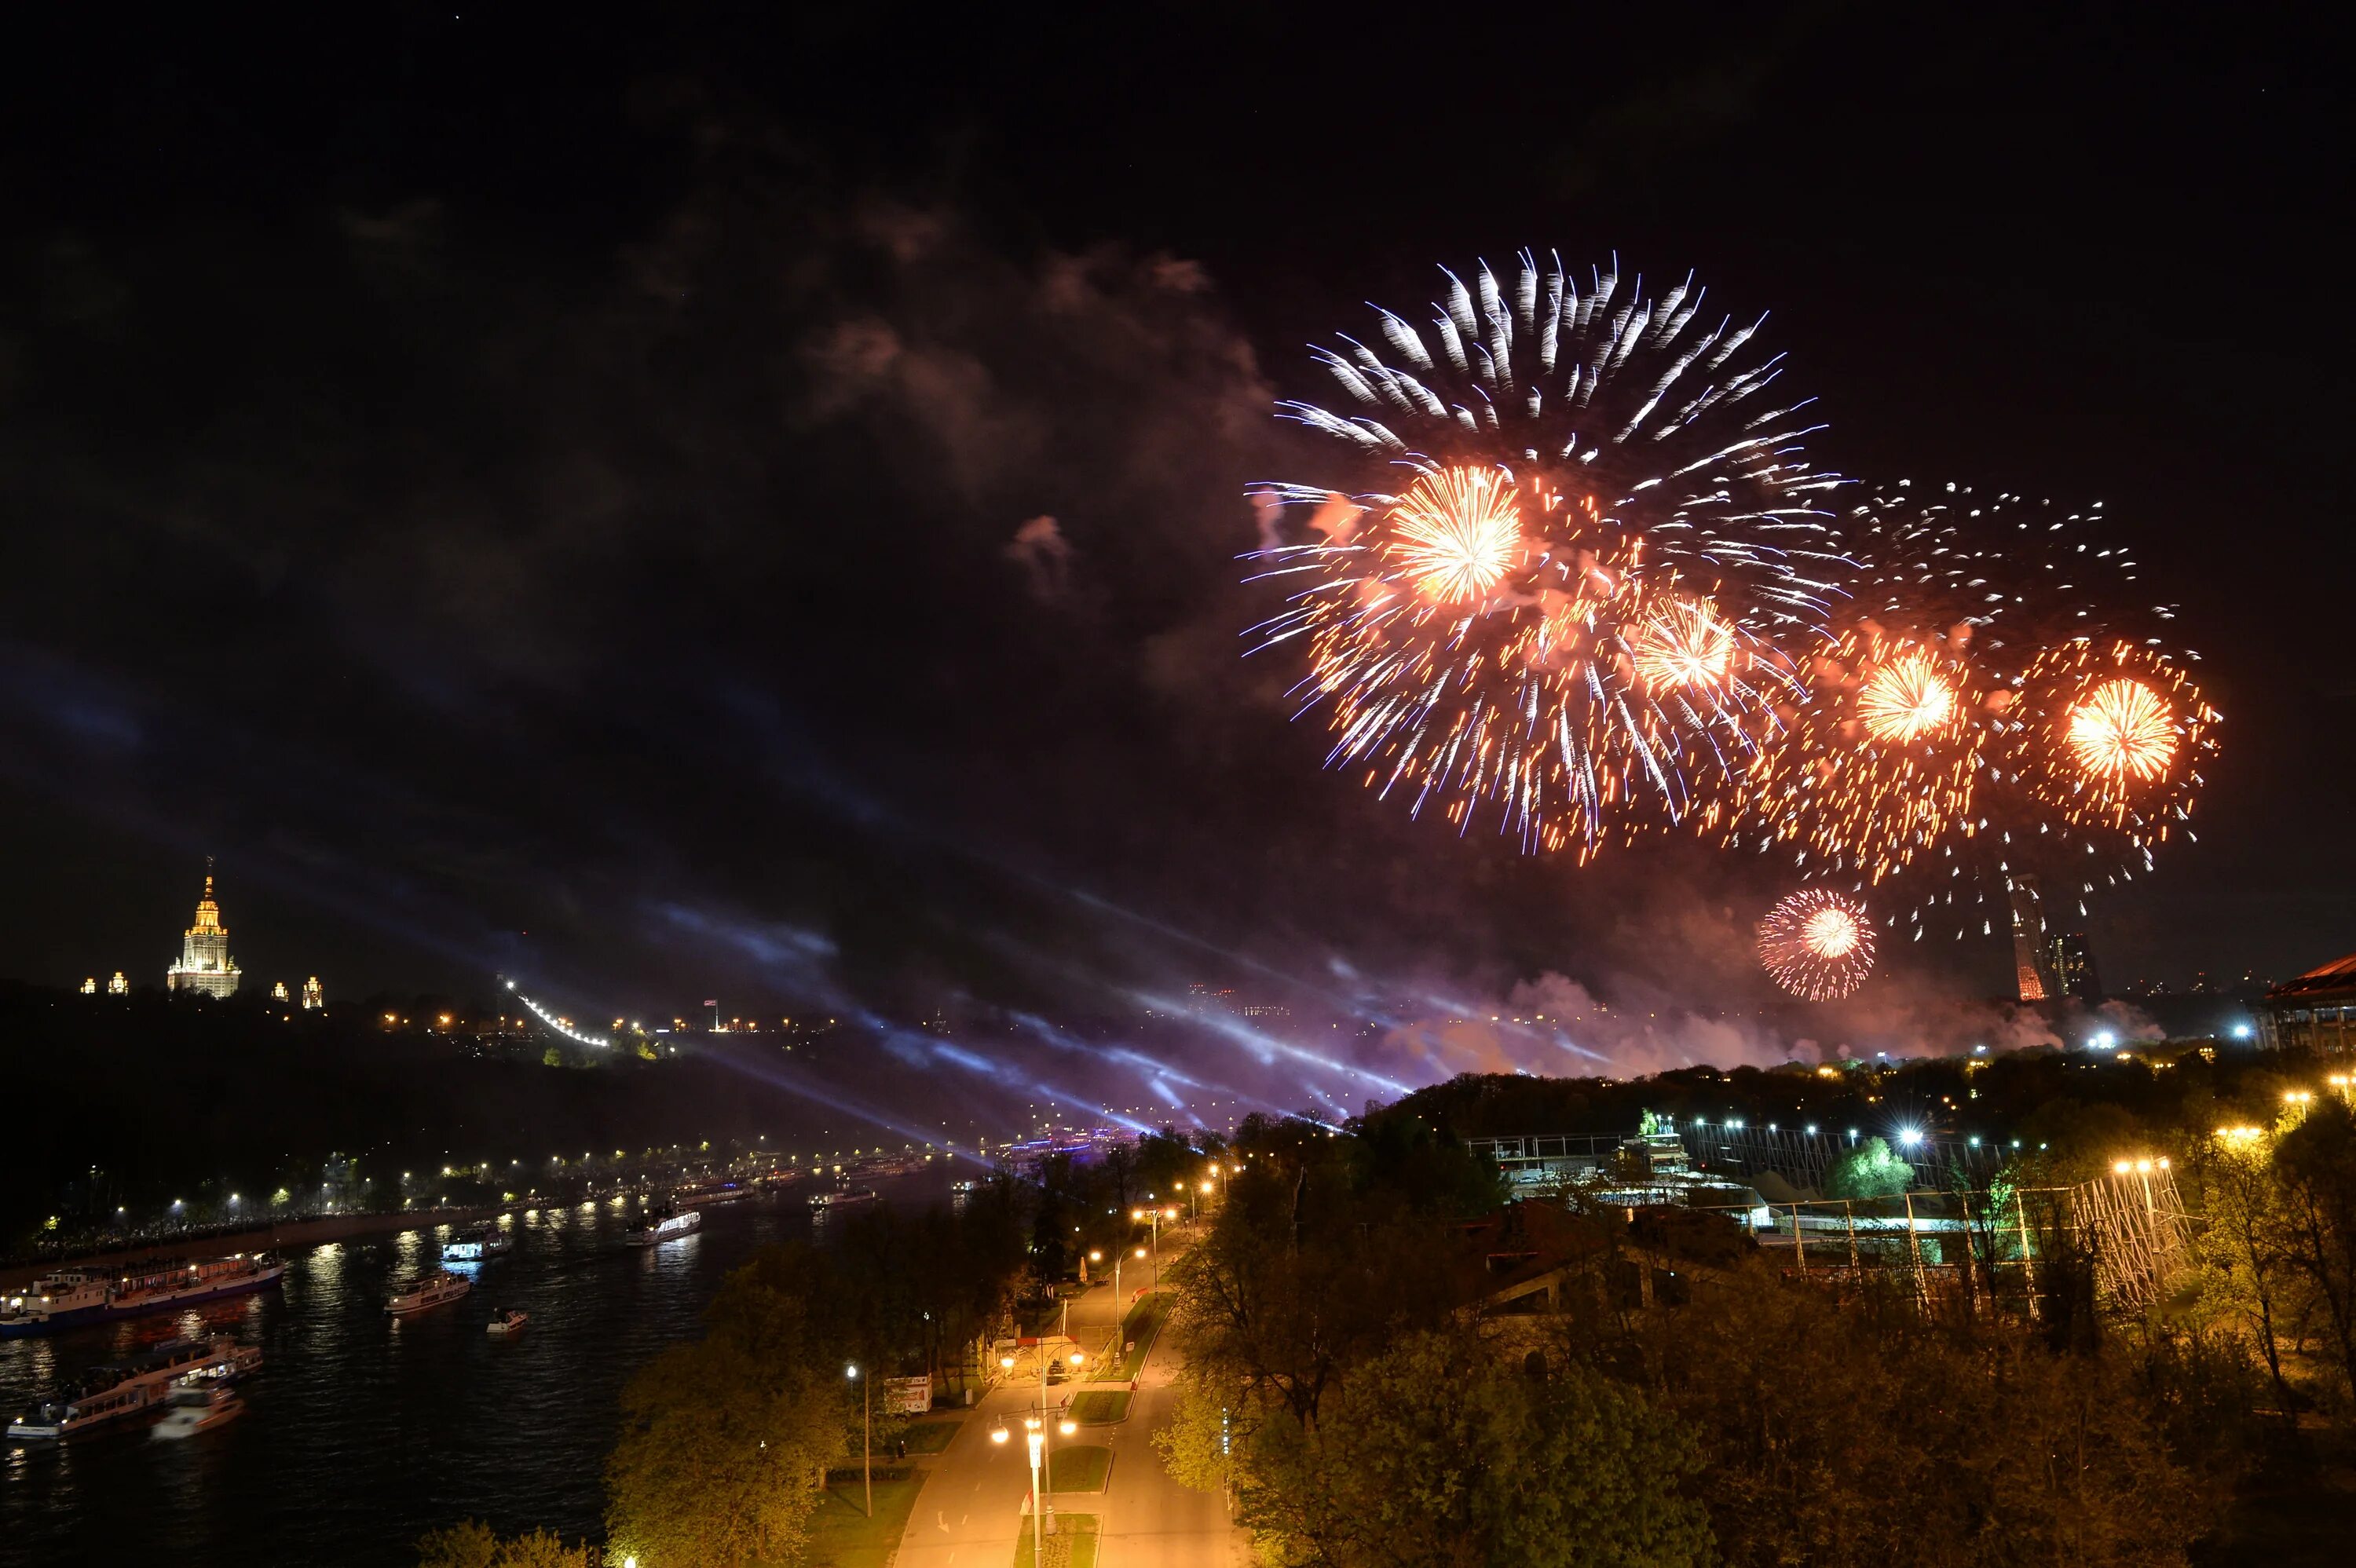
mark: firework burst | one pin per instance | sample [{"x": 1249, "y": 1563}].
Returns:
[
  {"x": 1576, "y": 523},
  {"x": 1818, "y": 943},
  {"x": 1879, "y": 759},
  {"x": 2110, "y": 737}
]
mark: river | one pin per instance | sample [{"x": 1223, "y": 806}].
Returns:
[{"x": 361, "y": 1431}]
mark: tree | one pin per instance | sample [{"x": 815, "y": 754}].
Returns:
[
  {"x": 1444, "y": 1451},
  {"x": 472, "y": 1544},
  {"x": 1868, "y": 1170},
  {"x": 2314, "y": 1166}
]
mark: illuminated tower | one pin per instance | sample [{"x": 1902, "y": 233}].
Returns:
[
  {"x": 205, "y": 965},
  {"x": 312, "y": 995},
  {"x": 118, "y": 986},
  {"x": 2028, "y": 940},
  {"x": 89, "y": 986}
]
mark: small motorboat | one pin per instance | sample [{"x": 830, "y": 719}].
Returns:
[
  {"x": 507, "y": 1322},
  {"x": 196, "y": 1410},
  {"x": 428, "y": 1293}
]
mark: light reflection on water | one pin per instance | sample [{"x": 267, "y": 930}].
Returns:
[{"x": 362, "y": 1432}]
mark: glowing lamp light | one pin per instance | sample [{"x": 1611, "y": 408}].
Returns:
[
  {"x": 1068, "y": 1426},
  {"x": 1910, "y": 1137},
  {"x": 998, "y": 1434},
  {"x": 2240, "y": 1031}
]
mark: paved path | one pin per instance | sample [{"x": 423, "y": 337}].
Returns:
[{"x": 971, "y": 1507}]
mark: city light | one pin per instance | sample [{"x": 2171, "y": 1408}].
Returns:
[{"x": 1910, "y": 1137}]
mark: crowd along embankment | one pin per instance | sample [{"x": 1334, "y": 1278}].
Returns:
[{"x": 273, "y": 1237}]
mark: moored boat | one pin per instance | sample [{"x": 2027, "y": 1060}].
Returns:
[
  {"x": 434, "y": 1290},
  {"x": 843, "y": 1197},
  {"x": 482, "y": 1241},
  {"x": 90, "y": 1293}
]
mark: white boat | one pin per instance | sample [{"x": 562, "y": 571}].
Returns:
[
  {"x": 196, "y": 1410},
  {"x": 434, "y": 1290},
  {"x": 842, "y": 1198},
  {"x": 665, "y": 1228},
  {"x": 89, "y": 1294},
  {"x": 507, "y": 1322},
  {"x": 234, "y": 1364},
  {"x": 78, "y": 1413},
  {"x": 471, "y": 1246}
]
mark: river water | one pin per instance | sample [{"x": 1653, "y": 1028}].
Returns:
[{"x": 361, "y": 1431}]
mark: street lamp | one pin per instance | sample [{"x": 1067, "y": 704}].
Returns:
[
  {"x": 1036, "y": 1440},
  {"x": 867, "y": 1440}
]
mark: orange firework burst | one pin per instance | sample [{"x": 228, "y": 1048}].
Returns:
[
  {"x": 1881, "y": 758},
  {"x": 1906, "y": 699},
  {"x": 2111, "y": 736},
  {"x": 2122, "y": 731},
  {"x": 1568, "y": 610},
  {"x": 1817, "y": 944},
  {"x": 1456, "y": 533}
]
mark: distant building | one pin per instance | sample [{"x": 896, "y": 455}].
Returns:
[
  {"x": 118, "y": 986},
  {"x": 2315, "y": 1012},
  {"x": 2071, "y": 964},
  {"x": 2028, "y": 940},
  {"x": 313, "y": 997},
  {"x": 205, "y": 965},
  {"x": 89, "y": 986},
  {"x": 278, "y": 991}
]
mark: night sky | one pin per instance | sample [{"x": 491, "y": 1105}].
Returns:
[{"x": 541, "y": 495}]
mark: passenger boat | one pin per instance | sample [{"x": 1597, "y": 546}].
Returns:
[
  {"x": 194, "y": 1409},
  {"x": 233, "y": 1365},
  {"x": 665, "y": 1228},
  {"x": 471, "y": 1246},
  {"x": 89, "y": 1292},
  {"x": 510, "y": 1322},
  {"x": 75, "y": 1413},
  {"x": 842, "y": 1198},
  {"x": 434, "y": 1290}
]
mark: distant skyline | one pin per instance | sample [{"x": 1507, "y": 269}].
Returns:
[{"x": 638, "y": 509}]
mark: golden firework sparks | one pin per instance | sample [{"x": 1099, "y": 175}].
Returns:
[
  {"x": 1456, "y": 533},
  {"x": 1908, "y": 697},
  {"x": 2123, "y": 729},
  {"x": 1686, "y": 643}
]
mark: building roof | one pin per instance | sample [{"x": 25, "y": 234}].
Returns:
[{"x": 2338, "y": 976}]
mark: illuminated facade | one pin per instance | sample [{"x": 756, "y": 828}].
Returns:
[
  {"x": 312, "y": 995},
  {"x": 2028, "y": 940},
  {"x": 118, "y": 986},
  {"x": 2071, "y": 964},
  {"x": 205, "y": 965},
  {"x": 2315, "y": 1012}
]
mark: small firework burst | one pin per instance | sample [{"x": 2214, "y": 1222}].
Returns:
[{"x": 1818, "y": 943}]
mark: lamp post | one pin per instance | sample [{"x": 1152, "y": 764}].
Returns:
[
  {"x": 867, "y": 1439},
  {"x": 1036, "y": 1436}
]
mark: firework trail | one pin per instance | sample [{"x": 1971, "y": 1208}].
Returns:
[
  {"x": 1817, "y": 944},
  {"x": 1575, "y": 519}
]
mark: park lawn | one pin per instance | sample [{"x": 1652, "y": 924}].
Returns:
[
  {"x": 1073, "y": 1544},
  {"x": 931, "y": 1436},
  {"x": 841, "y": 1537},
  {"x": 1100, "y": 1407},
  {"x": 1078, "y": 1468}
]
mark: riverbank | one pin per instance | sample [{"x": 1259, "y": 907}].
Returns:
[{"x": 272, "y": 1237}]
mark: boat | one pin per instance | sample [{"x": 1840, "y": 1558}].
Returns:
[
  {"x": 194, "y": 1409},
  {"x": 665, "y": 1228},
  {"x": 482, "y": 1241},
  {"x": 705, "y": 1197},
  {"x": 89, "y": 1292},
  {"x": 842, "y": 1198},
  {"x": 434, "y": 1290},
  {"x": 508, "y": 1322},
  {"x": 233, "y": 1365},
  {"x": 76, "y": 1412}
]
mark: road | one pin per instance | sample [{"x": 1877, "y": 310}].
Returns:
[{"x": 971, "y": 1507}]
